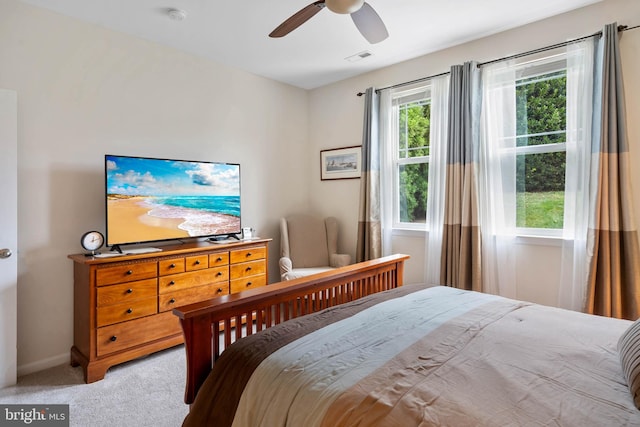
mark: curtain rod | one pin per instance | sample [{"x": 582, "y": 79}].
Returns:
[{"x": 517, "y": 55}]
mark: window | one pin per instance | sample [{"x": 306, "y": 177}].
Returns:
[
  {"x": 534, "y": 127},
  {"x": 411, "y": 133},
  {"x": 540, "y": 147}
]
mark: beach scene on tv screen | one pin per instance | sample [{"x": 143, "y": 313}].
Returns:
[{"x": 154, "y": 199}]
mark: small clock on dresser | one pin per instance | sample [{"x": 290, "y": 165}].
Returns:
[{"x": 92, "y": 241}]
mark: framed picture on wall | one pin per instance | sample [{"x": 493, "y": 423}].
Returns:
[{"x": 341, "y": 163}]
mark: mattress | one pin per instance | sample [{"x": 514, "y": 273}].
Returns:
[{"x": 423, "y": 356}]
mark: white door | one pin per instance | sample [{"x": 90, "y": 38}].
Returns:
[{"x": 8, "y": 237}]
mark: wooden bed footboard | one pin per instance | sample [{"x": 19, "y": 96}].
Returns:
[{"x": 235, "y": 316}]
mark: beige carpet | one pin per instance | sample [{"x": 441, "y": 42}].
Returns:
[{"x": 146, "y": 392}]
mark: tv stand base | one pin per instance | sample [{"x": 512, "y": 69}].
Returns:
[{"x": 223, "y": 237}]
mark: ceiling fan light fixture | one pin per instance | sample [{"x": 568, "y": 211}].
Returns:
[{"x": 344, "y": 6}]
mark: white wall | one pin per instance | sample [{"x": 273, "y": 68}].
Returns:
[
  {"x": 85, "y": 91},
  {"x": 336, "y": 114}
]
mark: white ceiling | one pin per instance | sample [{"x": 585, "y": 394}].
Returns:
[{"x": 235, "y": 32}]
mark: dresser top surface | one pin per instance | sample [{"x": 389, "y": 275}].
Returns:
[{"x": 189, "y": 248}]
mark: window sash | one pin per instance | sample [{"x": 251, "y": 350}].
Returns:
[
  {"x": 536, "y": 149},
  {"x": 535, "y": 71},
  {"x": 418, "y": 96},
  {"x": 397, "y": 222}
]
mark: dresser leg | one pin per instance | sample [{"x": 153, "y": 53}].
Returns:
[
  {"x": 92, "y": 371},
  {"x": 77, "y": 358},
  {"x": 95, "y": 373}
]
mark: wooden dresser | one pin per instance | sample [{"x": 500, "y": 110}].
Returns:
[{"x": 122, "y": 305}]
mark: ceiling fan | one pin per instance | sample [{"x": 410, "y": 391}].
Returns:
[{"x": 366, "y": 19}]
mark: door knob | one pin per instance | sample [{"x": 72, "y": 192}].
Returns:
[{"x": 5, "y": 253}]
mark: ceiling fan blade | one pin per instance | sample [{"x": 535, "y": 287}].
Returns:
[
  {"x": 369, "y": 24},
  {"x": 297, "y": 19}
]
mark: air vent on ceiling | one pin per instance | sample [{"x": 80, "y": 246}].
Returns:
[{"x": 358, "y": 56}]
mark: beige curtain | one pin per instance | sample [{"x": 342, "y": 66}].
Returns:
[
  {"x": 460, "y": 264},
  {"x": 369, "y": 244},
  {"x": 614, "y": 277}
]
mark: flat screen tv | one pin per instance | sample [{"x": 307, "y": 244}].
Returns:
[{"x": 152, "y": 200}]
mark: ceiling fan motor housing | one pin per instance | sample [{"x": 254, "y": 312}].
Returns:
[{"x": 344, "y": 6}]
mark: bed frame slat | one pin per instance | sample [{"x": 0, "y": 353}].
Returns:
[{"x": 234, "y": 316}]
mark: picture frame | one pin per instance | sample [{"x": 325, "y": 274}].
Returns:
[{"x": 341, "y": 163}]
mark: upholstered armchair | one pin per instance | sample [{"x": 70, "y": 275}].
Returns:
[{"x": 309, "y": 245}]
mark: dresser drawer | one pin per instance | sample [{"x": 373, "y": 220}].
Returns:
[
  {"x": 191, "y": 279},
  {"x": 250, "y": 254},
  {"x": 126, "y": 273},
  {"x": 171, "y": 266},
  {"x": 246, "y": 283},
  {"x": 218, "y": 259},
  {"x": 116, "y": 294},
  {"x": 187, "y": 296},
  {"x": 247, "y": 269},
  {"x": 123, "y": 336},
  {"x": 127, "y": 311},
  {"x": 197, "y": 262}
]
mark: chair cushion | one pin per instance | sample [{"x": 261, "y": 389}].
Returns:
[
  {"x": 302, "y": 272},
  {"x": 307, "y": 241}
]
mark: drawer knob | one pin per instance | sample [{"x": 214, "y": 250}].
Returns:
[
  {"x": 219, "y": 259},
  {"x": 197, "y": 262},
  {"x": 248, "y": 269},
  {"x": 129, "y": 310},
  {"x": 113, "y": 338},
  {"x": 129, "y": 290},
  {"x": 249, "y": 284},
  {"x": 219, "y": 273},
  {"x": 172, "y": 300},
  {"x": 219, "y": 290},
  {"x": 130, "y": 272},
  {"x": 171, "y": 283},
  {"x": 172, "y": 266},
  {"x": 248, "y": 254}
]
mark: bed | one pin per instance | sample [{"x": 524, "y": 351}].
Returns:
[{"x": 354, "y": 347}]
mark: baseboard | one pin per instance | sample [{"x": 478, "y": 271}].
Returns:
[{"x": 43, "y": 364}]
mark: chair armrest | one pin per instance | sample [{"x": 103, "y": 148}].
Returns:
[
  {"x": 285, "y": 265},
  {"x": 339, "y": 260}
]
